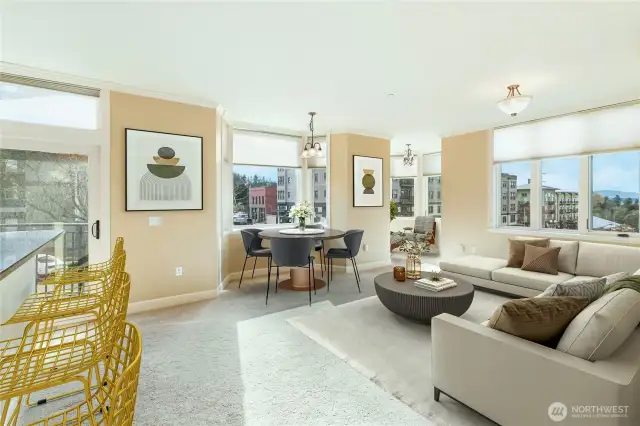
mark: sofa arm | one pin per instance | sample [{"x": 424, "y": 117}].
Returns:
[{"x": 513, "y": 381}]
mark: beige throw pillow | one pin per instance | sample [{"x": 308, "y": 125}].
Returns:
[
  {"x": 541, "y": 259},
  {"x": 603, "y": 326},
  {"x": 541, "y": 319},
  {"x": 516, "y": 250}
]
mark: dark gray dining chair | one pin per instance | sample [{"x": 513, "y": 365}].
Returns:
[
  {"x": 292, "y": 253},
  {"x": 319, "y": 246},
  {"x": 352, "y": 241},
  {"x": 253, "y": 248}
]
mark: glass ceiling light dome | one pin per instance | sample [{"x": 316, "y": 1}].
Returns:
[
  {"x": 515, "y": 102},
  {"x": 312, "y": 149}
]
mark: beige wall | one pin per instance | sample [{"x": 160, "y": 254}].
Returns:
[
  {"x": 374, "y": 220},
  {"x": 466, "y": 196},
  {"x": 186, "y": 238}
]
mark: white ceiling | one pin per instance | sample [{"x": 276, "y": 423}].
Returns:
[{"x": 270, "y": 64}]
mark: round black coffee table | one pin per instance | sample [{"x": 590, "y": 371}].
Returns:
[{"x": 416, "y": 304}]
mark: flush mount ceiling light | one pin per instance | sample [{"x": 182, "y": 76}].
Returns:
[
  {"x": 312, "y": 148},
  {"x": 515, "y": 102},
  {"x": 408, "y": 156}
]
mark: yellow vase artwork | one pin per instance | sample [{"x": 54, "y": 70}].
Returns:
[{"x": 368, "y": 181}]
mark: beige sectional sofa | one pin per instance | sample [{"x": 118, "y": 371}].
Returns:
[
  {"x": 577, "y": 260},
  {"x": 514, "y": 381}
]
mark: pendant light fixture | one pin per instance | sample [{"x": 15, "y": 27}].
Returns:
[
  {"x": 312, "y": 149},
  {"x": 408, "y": 156},
  {"x": 515, "y": 102}
]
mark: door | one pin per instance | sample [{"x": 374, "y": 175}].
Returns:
[{"x": 52, "y": 180}]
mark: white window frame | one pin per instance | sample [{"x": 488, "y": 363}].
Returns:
[{"x": 585, "y": 189}]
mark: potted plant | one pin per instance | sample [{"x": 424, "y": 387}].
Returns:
[
  {"x": 414, "y": 248},
  {"x": 302, "y": 212},
  {"x": 393, "y": 210}
]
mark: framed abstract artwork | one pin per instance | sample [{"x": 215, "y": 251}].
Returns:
[
  {"x": 163, "y": 171},
  {"x": 368, "y": 182}
]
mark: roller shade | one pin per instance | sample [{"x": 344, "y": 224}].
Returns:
[
  {"x": 398, "y": 169},
  {"x": 316, "y": 162},
  {"x": 603, "y": 130},
  {"x": 432, "y": 164},
  {"x": 262, "y": 149},
  {"x": 49, "y": 84}
]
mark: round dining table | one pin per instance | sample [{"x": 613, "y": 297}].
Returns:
[{"x": 299, "y": 277}]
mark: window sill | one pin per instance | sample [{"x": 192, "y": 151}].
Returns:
[
  {"x": 263, "y": 226},
  {"x": 633, "y": 239}
]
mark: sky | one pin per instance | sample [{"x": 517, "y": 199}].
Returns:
[
  {"x": 267, "y": 172},
  {"x": 617, "y": 172}
]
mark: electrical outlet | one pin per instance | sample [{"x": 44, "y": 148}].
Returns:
[
  {"x": 179, "y": 271},
  {"x": 365, "y": 247}
]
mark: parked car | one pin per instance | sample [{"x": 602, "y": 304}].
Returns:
[{"x": 240, "y": 219}]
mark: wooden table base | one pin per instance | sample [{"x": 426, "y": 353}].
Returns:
[{"x": 299, "y": 281}]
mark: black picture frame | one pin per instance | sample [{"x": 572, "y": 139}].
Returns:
[
  {"x": 355, "y": 183},
  {"x": 128, "y": 208}
]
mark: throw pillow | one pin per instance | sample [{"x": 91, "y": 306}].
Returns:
[
  {"x": 613, "y": 278},
  {"x": 603, "y": 326},
  {"x": 541, "y": 319},
  {"x": 590, "y": 288},
  {"x": 541, "y": 259},
  {"x": 516, "y": 250}
]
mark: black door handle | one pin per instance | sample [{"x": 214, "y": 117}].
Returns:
[{"x": 95, "y": 229}]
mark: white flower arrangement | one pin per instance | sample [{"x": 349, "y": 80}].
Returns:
[{"x": 301, "y": 211}]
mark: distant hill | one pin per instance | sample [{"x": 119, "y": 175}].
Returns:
[{"x": 624, "y": 195}]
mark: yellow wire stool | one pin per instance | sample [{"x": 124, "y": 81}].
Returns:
[
  {"x": 80, "y": 274},
  {"x": 66, "y": 301},
  {"x": 56, "y": 351},
  {"x": 112, "y": 404}
]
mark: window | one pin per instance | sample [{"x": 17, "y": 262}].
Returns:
[
  {"x": 37, "y": 105},
  {"x": 434, "y": 195},
  {"x": 319, "y": 191},
  {"x": 315, "y": 178},
  {"x": 504, "y": 220},
  {"x": 515, "y": 181},
  {"x": 315, "y": 194},
  {"x": 256, "y": 196},
  {"x": 560, "y": 182},
  {"x": 430, "y": 209},
  {"x": 289, "y": 179},
  {"x": 614, "y": 192},
  {"x": 404, "y": 188}
]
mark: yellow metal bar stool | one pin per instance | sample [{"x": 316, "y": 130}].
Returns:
[
  {"x": 113, "y": 404},
  {"x": 65, "y": 300},
  {"x": 53, "y": 352}
]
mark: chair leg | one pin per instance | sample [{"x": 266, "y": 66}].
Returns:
[
  {"x": 313, "y": 275},
  {"x": 277, "y": 276},
  {"x": 266, "y": 300},
  {"x": 309, "y": 282},
  {"x": 355, "y": 272},
  {"x": 322, "y": 261},
  {"x": 269, "y": 270},
  {"x": 255, "y": 260},
  {"x": 242, "y": 274}
]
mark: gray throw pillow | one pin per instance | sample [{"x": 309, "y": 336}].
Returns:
[
  {"x": 590, "y": 288},
  {"x": 613, "y": 278}
]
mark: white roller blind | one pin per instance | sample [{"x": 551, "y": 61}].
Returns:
[
  {"x": 318, "y": 161},
  {"x": 398, "y": 169},
  {"x": 432, "y": 164},
  {"x": 602, "y": 130},
  {"x": 49, "y": 84},
  {"x": 263, "y": 149}
]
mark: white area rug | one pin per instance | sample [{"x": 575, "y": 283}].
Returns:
[
  {"x": 393, "y": 352},
  {"x": 290, "y": 380}
]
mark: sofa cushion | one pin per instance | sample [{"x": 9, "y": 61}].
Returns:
[
  {"x": 540, "y": 320},
  {"x": 591, "y": 288},
  {"x": 541, "y": 259},
  {"x": 598, "y": 260},
  {"x": 528, "y": 279},
  {"x": 568, "y": 255},
  {"x": 475, "y": 266},
  {"x": 517, "y": 249},
  {"x": 603, "y": 326}
]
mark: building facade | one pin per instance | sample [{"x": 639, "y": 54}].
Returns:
[
  {"x": 559, "y": 208},
  {"x": 262, "y": 203},
  {"x": 402, "y": 193},
  {"x": 434, "y": 196},
  {"x": 287, "y": 192},
  {"x": 508, "y": 201},
  {"x": 319, "y": 193}
]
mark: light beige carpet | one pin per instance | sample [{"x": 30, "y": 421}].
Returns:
[{"x": 393, "y": 352}]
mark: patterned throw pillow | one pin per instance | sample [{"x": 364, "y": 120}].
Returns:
[
  {"x": 613, "y": 278},
  {"x": 517, "y": 248},
  {"x": 541, "y": 259},
  {"x": 590, "y": 288}
]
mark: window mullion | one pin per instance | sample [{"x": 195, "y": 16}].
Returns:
[
  {"x": 535, "y": 196},
  {"x": 584, "y": 195}
]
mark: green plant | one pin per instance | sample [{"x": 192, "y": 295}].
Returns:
[
  {"x": 436, "y": 276},
  {"x": 393, "y": 210}
]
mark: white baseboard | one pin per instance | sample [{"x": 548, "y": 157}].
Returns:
[{"x": 166, "y": 302}]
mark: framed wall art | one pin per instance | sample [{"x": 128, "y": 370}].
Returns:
[
  {"x": 163, "y": 171},
  {"x": 368, "y": 182}
]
